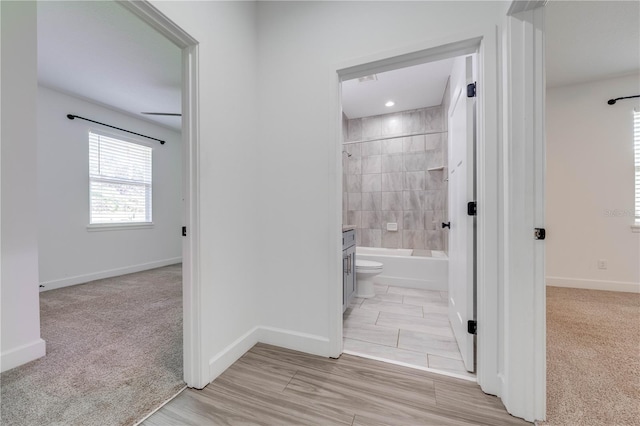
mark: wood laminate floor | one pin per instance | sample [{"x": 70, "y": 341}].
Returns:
[{"x": 275, "y": 386}]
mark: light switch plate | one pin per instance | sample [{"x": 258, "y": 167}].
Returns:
[{"x": 392, "y": 226}]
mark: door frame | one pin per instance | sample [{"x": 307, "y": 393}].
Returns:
[
  {"x": 194, "y": 373},
  {"x": 524, "y": 299},
  {"x": 483, "y": 41}
]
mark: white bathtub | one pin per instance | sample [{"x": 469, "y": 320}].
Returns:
[{"x": 404, "y": 270}]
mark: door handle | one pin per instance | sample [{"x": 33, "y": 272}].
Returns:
[{"x": 446, "y": 225}]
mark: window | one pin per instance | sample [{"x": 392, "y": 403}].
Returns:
[
  {"x": 636, "y": 148},
  {"x": 119, "y": 181}
]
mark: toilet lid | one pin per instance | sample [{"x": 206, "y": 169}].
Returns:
[{"x": 368, "y": 264}]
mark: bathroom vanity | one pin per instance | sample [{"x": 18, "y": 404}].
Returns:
[{"x": 348, "y": 265}]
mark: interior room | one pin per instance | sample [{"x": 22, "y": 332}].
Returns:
[
  {"x": 592, "y": 196},
  {"x": 395, "y": 169},
  {"x": 262, "y": 142},
  {"x": 109, "y": 185}
]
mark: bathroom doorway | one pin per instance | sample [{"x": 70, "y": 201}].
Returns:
[{"x": 408, "y": 133}]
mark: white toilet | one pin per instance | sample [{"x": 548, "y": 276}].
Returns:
[{"x": 366, "y": 270}]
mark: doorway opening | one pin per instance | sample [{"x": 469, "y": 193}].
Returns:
[
  {"x": 185, "y": 146},
  {"x": 408, "y": 173}
]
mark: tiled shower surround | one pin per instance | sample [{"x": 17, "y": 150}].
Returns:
[{"x": 388, "y": 178}]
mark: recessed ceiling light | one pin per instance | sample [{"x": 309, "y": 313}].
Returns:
[{"x": 389, "y": 104}]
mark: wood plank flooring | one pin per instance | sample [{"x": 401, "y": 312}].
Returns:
[{"x": 276, "y": 386}]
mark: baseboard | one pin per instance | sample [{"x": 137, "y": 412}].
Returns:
[
  {"x": 223, "y": 360},
  {"x": 21, "y": 355},
  {"x": 288, "y": 339},
  {"x": 627, "y": 287},
  {"x": 82, "y": 279},
  {"x": 411, "y": 283}
]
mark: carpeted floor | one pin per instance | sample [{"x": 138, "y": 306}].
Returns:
[
  {"x": 114, "y": 353},
  {"x": 593, "y": 357}
]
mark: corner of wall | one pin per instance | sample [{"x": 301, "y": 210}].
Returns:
[
  {"x": 289, "y": 339},
  {"x": 21, "y": 355},
  {"x": 226, "y": 357}
]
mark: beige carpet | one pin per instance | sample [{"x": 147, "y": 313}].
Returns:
[
  {"x": 593, "y": 357},
  {"x": 114, "y": 353}
]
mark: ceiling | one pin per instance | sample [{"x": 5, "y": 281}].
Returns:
[
  {"x": 591, "y": 40},
  {"x": 99, "y": 51},
  {"x": 585, "y": 41},
  {"x": 413, "y": 87}
]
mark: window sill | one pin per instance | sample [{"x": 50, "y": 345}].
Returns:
[
  {"x": 635, "y": 228},
  {"x": 118, "y": 226}
]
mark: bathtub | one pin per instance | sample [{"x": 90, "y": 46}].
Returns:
[{"x": 402, "y": 269}]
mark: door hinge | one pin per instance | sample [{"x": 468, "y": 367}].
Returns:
[
  {"x": 471, "y": 90},
  {"x": 472, "y": 208},
  {"x": 472, "y": 326},
  {"x": 184, "y": 231},
  {"x": 539, "y": 233}
]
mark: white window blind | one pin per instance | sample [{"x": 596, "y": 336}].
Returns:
[
  {"x": 120, "y": 181},
  {"x": 636, "y": 149}
]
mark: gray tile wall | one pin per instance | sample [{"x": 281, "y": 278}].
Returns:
[{"x": 387, "y": 180}]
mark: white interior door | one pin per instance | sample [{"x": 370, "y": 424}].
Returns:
[{"x": 462, "y": 295}]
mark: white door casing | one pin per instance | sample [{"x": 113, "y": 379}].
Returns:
[
  {"x": 461, "y": 165},
  {"x": 483, "y": 41},
  {"x": 523, "y": 372}
]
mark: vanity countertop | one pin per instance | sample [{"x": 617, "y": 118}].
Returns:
[{"x": 346, "y": 228}]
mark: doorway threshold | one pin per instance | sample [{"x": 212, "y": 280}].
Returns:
[{"x": 415, "y": 367}]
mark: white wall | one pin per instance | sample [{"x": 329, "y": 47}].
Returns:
[
  {"x": 266, "y": 190},
  {"x": 20, "y": 316},
  {"x": 300, "y": 43},
  {"x": 230, "y": 274},
  {"x": 590, "y": 186},
  {"x": 69, "y": 253}
]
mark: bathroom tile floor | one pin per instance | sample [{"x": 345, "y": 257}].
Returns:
[{"x": 406, "y": 325}]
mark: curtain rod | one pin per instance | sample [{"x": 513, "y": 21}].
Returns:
[
  {"x": 71, "y": 117},
  {"x": 613, "y": 101},
  {"x": 407, "y": 135}
]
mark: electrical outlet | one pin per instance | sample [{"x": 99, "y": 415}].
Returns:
[{"x": 602, "y": 264}]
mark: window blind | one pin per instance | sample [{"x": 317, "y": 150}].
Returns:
[
  {"x": 119, "y": 180},
  {"x": 636, "y": 149}
]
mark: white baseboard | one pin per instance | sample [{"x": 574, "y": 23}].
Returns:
[
  {"x": 628, "y": 287},
  {"x": 303, "y": 342},
  {"x": 289, "y": 339},
  {"x": 232, "y": 353},
  {"x": 81, "y": 279},
  {"x": 21, "y": 355}
]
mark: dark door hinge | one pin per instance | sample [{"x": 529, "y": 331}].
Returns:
[
  {"x": 471, "y": 90},
  {"x": 184, "y": 231},
  {"x": 539, "y": 233},
  {"x": 472, "y": 326},
  {"x": 472, "y": 208}
]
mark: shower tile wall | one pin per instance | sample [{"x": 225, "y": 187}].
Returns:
[{"x": 387, "y": 179}]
